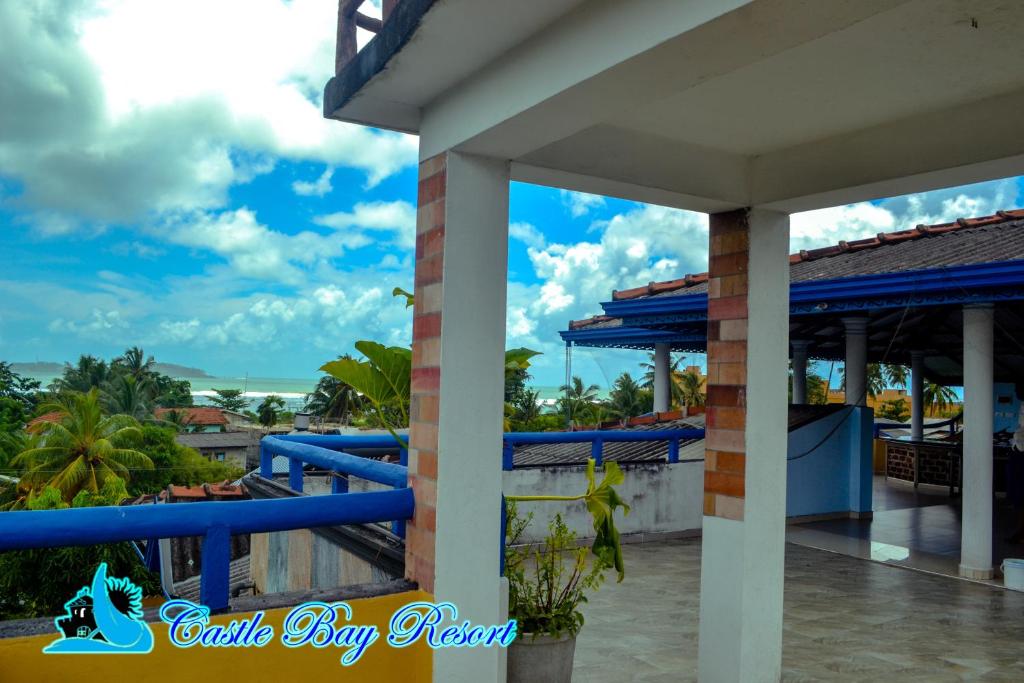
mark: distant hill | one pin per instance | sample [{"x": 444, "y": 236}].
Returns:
[
  {"x": 180, "y": 371},
  {"x": 45, "y": 369},
  {"x": 36, "y": 369}
]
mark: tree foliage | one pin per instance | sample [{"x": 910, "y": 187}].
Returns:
[
  {"x": 37, "y": 583},
  {"x": 82, "y": 449},
  {"x": 229, "y": 399}
]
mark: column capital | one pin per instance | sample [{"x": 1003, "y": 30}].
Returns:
[
  {"x": 980, "y": 306},
  {"x": 856, "y": 324},
  {"x": 917, "y": 354},
  {"x": 800, "y": 344}
]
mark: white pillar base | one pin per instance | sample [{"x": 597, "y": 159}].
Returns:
[{"x": 976, "y": 574}]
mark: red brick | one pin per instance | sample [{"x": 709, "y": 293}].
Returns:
[
  {"x": 423, "y": 436},
  {"x": 426, "y": 325},
  {"x": 725, "y": 483},
  {"x": 731, "y": 242},
  {"x": 732, "y": 373},
  {"x": 430, "y": 216},
  {"x": 735, "y": 463},
  {"x": 727, "y": 308},
  {"x": 719, "y": 395},
  {"x": 727, "y": 351},
  {"x": 729, "y": 264},
  {"x": 723, "y": 417},
  {"x": 728, "y": 221},
  {"x": 714, "y": 330},
  {"x": 424, "y": 408},
  {"x": 732, "y": 330},
  {"x": 429, "y": 270},
  {"x": 433, "y": 165},
  {"x": 424, "y": 490},
  {"x": 709, "y": 504},
  {"x": 425, "y": 518},
  {"x": 430, "y": 243},
  {"x": 733, "y": 440},
  {"x": 426, "y": 380},
  {"x": 732, "y": 285},
  {"x": 431, "y": 188},
  {"x": 426, "y": 464}
]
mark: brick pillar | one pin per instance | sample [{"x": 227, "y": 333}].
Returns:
[
  {"x": 746, "y": 441},
  {"x": 426, "y": 370},
  {"x": 725, "y": 412},
  {"x": 452, "y": 544}
]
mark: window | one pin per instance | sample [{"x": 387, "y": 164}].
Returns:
[{"x": 219, "y": 456}]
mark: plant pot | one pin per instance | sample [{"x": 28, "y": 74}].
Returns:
[{"x": 544, "y": 659}]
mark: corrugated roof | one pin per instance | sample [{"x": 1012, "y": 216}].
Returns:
[
  {"x": 217, "y": 439},
  {"x": 541, "y": 455}
]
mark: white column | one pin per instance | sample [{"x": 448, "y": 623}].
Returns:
[
  {"x": 976, "y": 518},
  {"x": 662, "y": 369},
  {"x": 856, "y": 367},
  {"x": 799, "y": 371},
  {"x": 471, "y": 407},
  {"x": 917, "y": 395},
  {"x": 742, "y": 557}
]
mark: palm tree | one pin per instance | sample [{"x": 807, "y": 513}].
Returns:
[
  {"x": 937, "y": 398},
  {"x": 876, "y": 382},
  {"x": 577, "y": 401},
  {"x": 896, "y": 375},
  {"x": 90, "y": 372},
  {"x": 691, "y": 385},
  {"x": 333, "y": 399},
  {"x": 135, "y": 362},
  {"x": 269, "y": 409},
  {"x": 675, "y": 387},
  {"x": 128, "y": 395},
  {"x": 83, "y": 449},
  {"x": 627, "y": 398},
  {"x": 527, "y": 407}
]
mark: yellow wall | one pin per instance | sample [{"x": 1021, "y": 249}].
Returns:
[{"x": 21, "y": 659}]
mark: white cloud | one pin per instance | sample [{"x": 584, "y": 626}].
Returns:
[
  {"x": 124, "y": 109},
  {"x": 580, "y": 203},
  {"x": 527, "y": 234},
  {"x": 97, "y": 325},
  {"x": 316, "y": 188},
  {"x": 397, "y": 218}
]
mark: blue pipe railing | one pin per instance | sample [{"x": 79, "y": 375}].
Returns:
[
  {"x": 597, "y": 439},
  {"x": 324, "y": 451},
  {"x": 214, "y": 521}
]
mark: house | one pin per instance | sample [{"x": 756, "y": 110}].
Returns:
[
  {"x": 238, "y": 449},
  {"x": 199, "y": 419}
]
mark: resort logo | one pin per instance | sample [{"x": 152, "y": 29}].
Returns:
[{"x": 104, "y": 618}]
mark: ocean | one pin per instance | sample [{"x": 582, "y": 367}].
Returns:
[{"x": 292, "y": 390}]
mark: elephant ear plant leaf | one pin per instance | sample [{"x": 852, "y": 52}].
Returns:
[
  {"x": 601, "y": 500},
  {"x": 383, "y": 379}
]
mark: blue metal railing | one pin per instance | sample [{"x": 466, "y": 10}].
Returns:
[
  {"x": 325, "y": 452},
  {"x": 951, "y": 423},
  {"x": 597, "y": 439},
  {"x": 214, "y": 521}
]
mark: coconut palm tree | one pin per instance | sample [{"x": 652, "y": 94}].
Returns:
[
  {"x": 627, "y": 399},
  {"x": 896, "y": 375},
  {"x": 937, "y": 398},
  {"x": 577, "y": 400},
  {"x": 876, "y": 381},
  {"x": 333, "y": 399},
  {"x": 269, "y": 409},
  {"x": 82, "y": 449},
  {"x": 135, "y": 363},
  {"x": 88, "y": 373},
  {"x": 691, "y": 388},
  {"x": 128, "y": 395}
]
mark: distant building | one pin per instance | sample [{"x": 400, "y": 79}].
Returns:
[
  {"x": 201, "y": 419},
  {"x": 239, "y": 449}
]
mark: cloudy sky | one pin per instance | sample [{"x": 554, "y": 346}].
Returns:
[{"x": 167, "y": 180}]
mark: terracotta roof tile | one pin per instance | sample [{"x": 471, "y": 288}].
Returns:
[
  {"x": 807, "y": 256},
  {"x": 196, "y": 416}
]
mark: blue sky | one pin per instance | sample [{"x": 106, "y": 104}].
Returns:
[{"x": 196, "y": 203}]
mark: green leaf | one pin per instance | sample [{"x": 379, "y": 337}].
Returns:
[
  {"x": 410, "y": 299},
  {"x": 602, "y": 500},
  {"x": 516, "y": 359}
]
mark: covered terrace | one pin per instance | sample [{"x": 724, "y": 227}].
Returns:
[{"x": 933, "y": 298}]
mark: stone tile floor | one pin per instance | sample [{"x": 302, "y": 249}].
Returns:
[{"x": 845, "y": 619}]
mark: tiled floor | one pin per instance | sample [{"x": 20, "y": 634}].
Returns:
[
  {"x": 909, "y": 528},
  {"x": 845, "y": 620}
]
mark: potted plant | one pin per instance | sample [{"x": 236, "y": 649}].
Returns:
[{"x": 548, "y": 583}]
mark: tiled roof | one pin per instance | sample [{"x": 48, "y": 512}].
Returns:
[
  {"x": 217, "y": 439},
  {"x": 987, "y": 239},
  {"x": 540, "y": 455},
  {"x": 195, "y": 416},
  {"x": 44, "y": 419}
]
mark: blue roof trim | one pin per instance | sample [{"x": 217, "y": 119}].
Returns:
[
  {"x": 927, "y": 287},
  {"x": 632, "y": 338}
]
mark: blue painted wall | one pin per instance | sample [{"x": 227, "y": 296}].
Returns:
[{"x": 835, "y": 476}]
